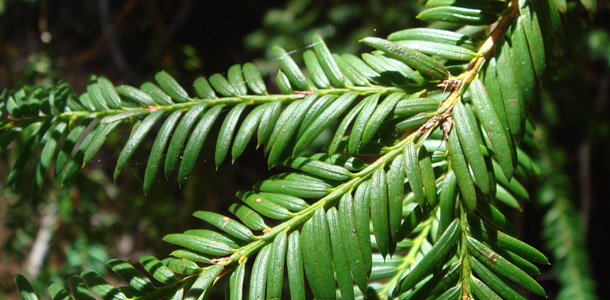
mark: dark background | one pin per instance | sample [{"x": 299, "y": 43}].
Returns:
[{"x": 43, "y": 41}]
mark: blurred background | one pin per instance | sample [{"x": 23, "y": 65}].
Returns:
[{"x": 79, "y": 226}]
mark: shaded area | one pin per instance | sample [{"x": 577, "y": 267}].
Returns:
[{"x": 97, "y": 220}]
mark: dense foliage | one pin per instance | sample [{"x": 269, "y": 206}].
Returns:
[{"x": 398, "y": 166}]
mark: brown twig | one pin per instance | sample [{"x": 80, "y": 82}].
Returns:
[
  {"x": 40, "y": 248},
  {"x": 101, "y": 41},
  {"x": 464, "y": 79},
  {"x": 584, "y": 176}
]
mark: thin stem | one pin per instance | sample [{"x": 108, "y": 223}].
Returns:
[
  {"x": 418, "y": 136},
  {"x": 43, "y": 238},
  {"x": 170, "y": 289},
  {"x": 408, "y": 259},
  {"x": 327, "y": 201},
  {"x": 485, "y": 52},
  {"x": 234, "y": 100},
  {"x": 464, "y": 256}
]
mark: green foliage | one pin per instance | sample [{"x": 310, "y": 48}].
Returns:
[
  {"x": 405, "y": 198},
  {"x": 563, "y": 233},
  {"x": 341, "y": 23},
  {"x": 599, "y": 43}
]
